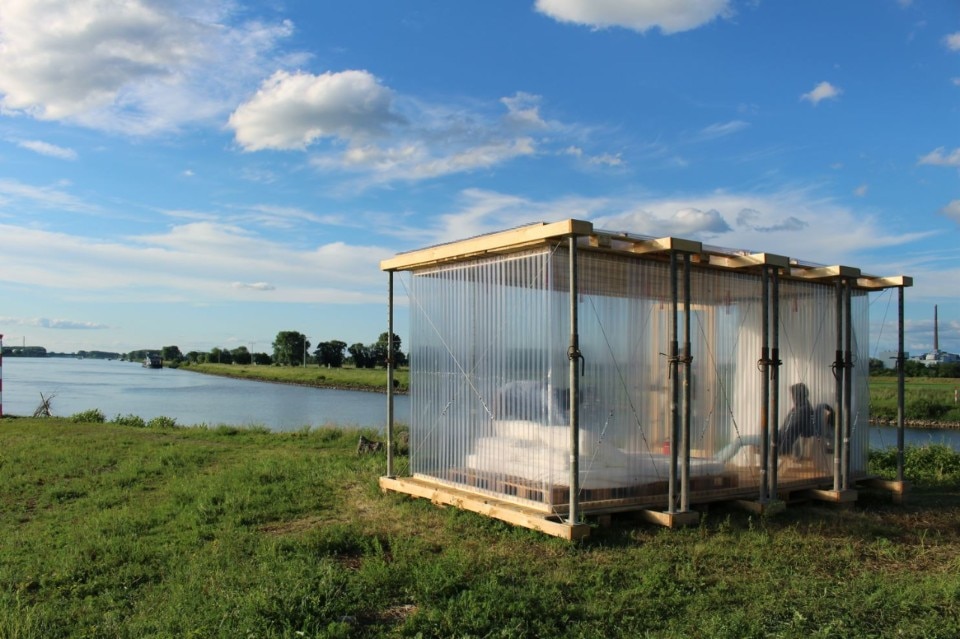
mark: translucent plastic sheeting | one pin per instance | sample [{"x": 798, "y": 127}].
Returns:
[{"x": 490, "y": 374}]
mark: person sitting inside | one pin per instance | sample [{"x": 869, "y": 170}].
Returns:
[
  {"x": 799, "y": 423},
  {"x": 801, "y": 427}
]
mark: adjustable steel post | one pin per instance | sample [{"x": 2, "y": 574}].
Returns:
[
  {"x": 765, "y": 386},
  {"x": 574, "y": 356},
  {"x": 900, "y": 374},
  {"x": 390, "y": 374},
  {"x": 687, "y": 366},
  {"x": 674, "y": 386}
]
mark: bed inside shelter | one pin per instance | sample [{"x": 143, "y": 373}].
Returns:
[{"x": 557, "y": 371}]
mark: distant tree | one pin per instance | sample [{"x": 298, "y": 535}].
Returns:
[
  {"x": 362, "y": 357},
  {"x": 262, "y": 359},
  {"x": 289, "y": 348},
  {"x": 219, "y": 356},
  {"x": 194, "y": 357},
  {"x": 171, "y": 353},
  {"x": 241, "y": 356},
  {"x": 379, "y": 351},
  {"x": 330, "y": 353}
]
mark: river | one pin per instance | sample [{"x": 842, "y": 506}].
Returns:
[{"x": 124, "y": 388}]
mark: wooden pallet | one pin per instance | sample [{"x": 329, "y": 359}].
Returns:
[{"x": 558, "y": 496}]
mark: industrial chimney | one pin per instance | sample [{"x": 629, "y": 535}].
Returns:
[{"x": 936, "y": 331}]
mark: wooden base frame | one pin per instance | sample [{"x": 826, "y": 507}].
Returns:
[{"x": 504, "y": 511}]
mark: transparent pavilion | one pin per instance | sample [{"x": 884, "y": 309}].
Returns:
[{"x": 559, "y": 372}]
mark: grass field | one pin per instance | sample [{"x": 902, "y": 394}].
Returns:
[
  {"x": 349, "y": 378},
  {"x": 118, "y": 531},
  {"x": 925, "y": 398}
]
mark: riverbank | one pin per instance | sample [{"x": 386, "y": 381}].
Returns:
[
  {"x": 922, "y": 395},
  {"x": 361, "y": 379},
  {"x": 118, "y": 531}
]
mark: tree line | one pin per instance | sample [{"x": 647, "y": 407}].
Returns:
[{"x": 290, "y": 348}]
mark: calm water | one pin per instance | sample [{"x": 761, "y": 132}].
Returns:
[{"x": 122, "y": 388}]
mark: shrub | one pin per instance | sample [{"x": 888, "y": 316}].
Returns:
[
  {"x": 927, "y": 406},
  {"x": 92, "y": 416},
  {"x": 130, "y": 420},
  {"x": 934, "y": 464},
  {"x": 162, "y": 421}
]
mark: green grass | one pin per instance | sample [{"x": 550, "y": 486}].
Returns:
[
  {"x": 374, "y": 379},
  {"x": 925, "y": 398},
  {"x": 111, "y": 530}
]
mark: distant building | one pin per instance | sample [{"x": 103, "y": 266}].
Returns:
[{"x": 889, "y": 358}]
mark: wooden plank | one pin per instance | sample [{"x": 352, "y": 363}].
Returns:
[
  {"x": 504, "y": 240},
  {"x": 746, "y": 261},
  {"x": 833, "y": 496},
  {"x": 665, "y": 244},
  {"x": 495, "y": 509},
  {"x": 670, "y": 520},
  {"x": 879, "y": 283},
  {"x": 824, "y": 272}
]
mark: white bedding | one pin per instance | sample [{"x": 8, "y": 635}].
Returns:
[{"x": 531, "y": 451}]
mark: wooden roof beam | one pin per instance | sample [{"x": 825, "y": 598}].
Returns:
[
  {"x": 824, "y": 272},
  {"x": 751, "y": 260},
  {"x": 665, "y": 245},
  {"x": 513, "y": 239},
  {"x": 880, "y": 283}
]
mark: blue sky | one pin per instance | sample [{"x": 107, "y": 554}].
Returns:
[{"x": 210, "y": 172}]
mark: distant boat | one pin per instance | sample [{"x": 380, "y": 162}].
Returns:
[{"x": 153, "y": 361}]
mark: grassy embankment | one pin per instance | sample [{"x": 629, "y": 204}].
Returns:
[
  {"x": 927, "y": 400},
  {"x": 109, "y": 530},
  {"x": 371, "y": 379}
]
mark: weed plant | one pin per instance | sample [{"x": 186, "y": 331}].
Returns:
[{"x": 108, "y": 530}]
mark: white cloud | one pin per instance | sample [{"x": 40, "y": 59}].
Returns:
[
  {"x": 688, "y": 222},
  {"x": 937, "y": 158},
  {"x": 952, "y": 210},
  {"x": 794, "y": 223},
  {"x": 722, "y": 129},
  {"x": 293, "y": 110},
  {"x": 43, "y": 322},
  {"x": 351, "y": 122},
  {"x": 53, "y": 197},
  {"x": 955, "y": 81},
  {"x": 952, "y": 41},
  {"x": 198, "y": 262},
  {"x": 256, "y": 286},
  {"x": 823, "y": 91},
  {"x": 670, "y": 16},
  {"x": 603, "y": 159},
  {"x": 861, "y": 191},
  {"x": 51, "y": 150},
  {"x": 133, "y": 66},
  {"x": 523, "y": 109}
]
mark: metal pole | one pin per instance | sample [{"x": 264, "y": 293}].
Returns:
[
  {"x": 838, "y": 377},
  {"x": 390, "y": 374},
  {"x": 688, "y": 365},
  {"x": 574, "y": 356},
  {"x": 775, "y": 384},
  {"x": 847, "y": 383},
  {"x": 900, "y": 374},
  {"x": 765, "y": 386},
  {"x": 674, "y": 386}
]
